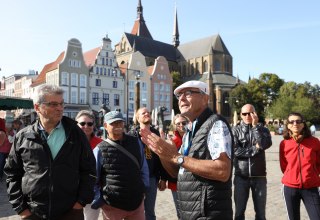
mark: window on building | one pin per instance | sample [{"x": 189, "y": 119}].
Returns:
[
  {"x": 192, "y": 69},
  {"x": 144, "y": 86},
  {"x": 83, "y": 80},
  {"x": 167, "y": 88},
  {"x": 101, "y": 70},
  {"x": 197, "y": 67},
  {"x": 143, "y": 97},
  {"x": 98, "y": 82},
  {"x": 205, "y": 66},
  {"x": 95, "y": 98},
  {"x": 217, "y": 65},
  {"x": 116, "y": 100},
  {"x": 97, "y": 70},
  {"x": 131, "y": 96},
  {"x": 74, "y": 79},
  {"x": 107, "y": 62},
  {"x": 131, "y": 85},
  {"x": 102, "y": 61},
  {"x": 83, "y": 97},
  {"x": 105, "y": 99},
  {"x": 131, "y": 107},
  {"x": 114, "y": 84},
  {"x": 64, "y": 78},
  {"x": 74, "y": 97}
]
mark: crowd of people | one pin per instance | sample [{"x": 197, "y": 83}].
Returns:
[{"x": 57, "y": 168}]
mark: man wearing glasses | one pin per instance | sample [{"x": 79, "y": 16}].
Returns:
[
  {"x": 251, "y": 140},
  {"x": 51, "y": 168},
  {"x": 203, "y": 164}
]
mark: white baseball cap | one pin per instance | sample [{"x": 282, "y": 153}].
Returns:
[{"x": 193, "y": 84}]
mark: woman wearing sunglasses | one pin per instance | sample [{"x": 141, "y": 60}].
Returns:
[
  {"x": 179, "y": 125},
  {"x": 85, "y": 121},
  {"x": 300, "y": 164}
]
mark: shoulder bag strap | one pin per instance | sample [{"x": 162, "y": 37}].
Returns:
[{"x": 123, "y": 150}]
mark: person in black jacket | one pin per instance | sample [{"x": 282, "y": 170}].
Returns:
[
  {"x": 251, "y": 139},
  {"x": 51, "y": 168}
]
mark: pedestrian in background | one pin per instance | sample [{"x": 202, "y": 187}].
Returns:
[
  {"x": 122, "y": 172},
  {"x": 51, "y": 168},
  {"x": 204, "y": 163},
  {"x": 86, "y": 122},
  {"x": 300, "y": 164},
  {"x": 5, "y": 146},
  {"x": 251, "y": 139},
  {"x": 180, "y": 124},
  {"x": 157, "y": 174}
]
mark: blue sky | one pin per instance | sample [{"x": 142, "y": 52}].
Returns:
[{"x": 274, "y": 36}]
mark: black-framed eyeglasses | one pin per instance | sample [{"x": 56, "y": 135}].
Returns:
[
  {"x": 187, "y": 93},
  {"x": 246, "y": 113},
  {"x": 295, "y": 122},
  {"x": 85, "y": 123},
  {"x": 53, "y": 104},
  {"x": 183, "y": 123}
]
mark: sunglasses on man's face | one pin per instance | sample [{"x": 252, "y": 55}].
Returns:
[
  {"x": 295, "y": 122},
  {"x": 86, "y": 123},
  {"x": 246, "y": 113}
]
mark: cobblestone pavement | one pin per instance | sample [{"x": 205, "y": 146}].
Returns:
[{"x": 165, "y": 208}]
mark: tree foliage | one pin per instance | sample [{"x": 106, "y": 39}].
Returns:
[{"x": 275, "y": 99}]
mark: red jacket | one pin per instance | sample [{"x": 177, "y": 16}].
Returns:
[
  {"x": 177, "y": 139},
  {"x": 300, "y": 164},
  {"x": 94, "y": 141}
]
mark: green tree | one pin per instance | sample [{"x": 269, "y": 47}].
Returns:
[{"x": 295, "y": 97}]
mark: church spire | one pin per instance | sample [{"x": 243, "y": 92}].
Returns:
[
  {"x": 176, "y": 41},
  {"x": 140, "y": 28}
]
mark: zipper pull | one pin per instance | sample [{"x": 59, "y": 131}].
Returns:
[{"x": 302, "y": 151}]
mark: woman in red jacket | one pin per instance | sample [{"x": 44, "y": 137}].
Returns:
[
  {"x": 86, "y": 122},
  {"x": 179, "y": 124},
  {"x": 300, "y": 164}
]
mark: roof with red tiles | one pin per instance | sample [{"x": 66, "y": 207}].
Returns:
[
  {"x": 91, "y": 56},
  {"x": 47, "y": 68}
]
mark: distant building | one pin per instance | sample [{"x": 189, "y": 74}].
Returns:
[
  {"x": 206, "y": 59},
  {"x": 106, "y": 84}
]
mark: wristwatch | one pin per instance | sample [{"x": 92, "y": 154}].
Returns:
[{"x": 180, "y": 160}]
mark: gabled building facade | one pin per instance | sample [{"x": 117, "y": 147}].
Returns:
[{"x": 106, "y": 83}]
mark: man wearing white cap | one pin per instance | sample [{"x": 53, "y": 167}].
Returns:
[
  {"x": 203, "y": 165},
  {"x": 122, "y": 172}
]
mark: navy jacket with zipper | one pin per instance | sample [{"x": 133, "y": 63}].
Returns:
[{"x": 50, "y": 187}]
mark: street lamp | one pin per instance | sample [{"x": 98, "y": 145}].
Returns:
[
  {"x": 137, "y": 91},
  {"x": 138, "y": 74}
]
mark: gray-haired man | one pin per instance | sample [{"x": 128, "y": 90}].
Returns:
[{"x": 51, "y": 168}]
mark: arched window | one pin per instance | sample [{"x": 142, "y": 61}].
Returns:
[
  {"x": 192, "y": 69},
  {"x": 205, "y": 66},
  {"x": 197, "y": 68}
]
